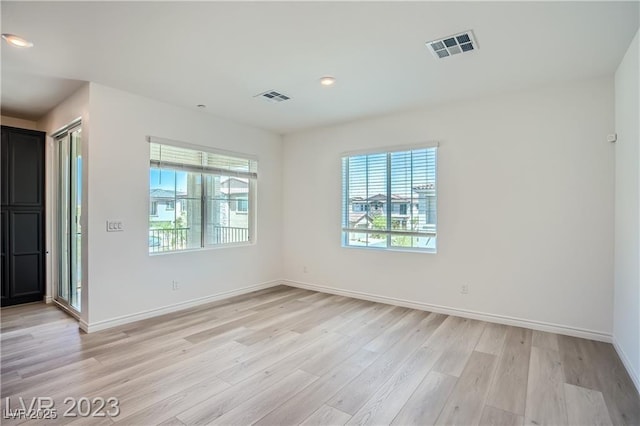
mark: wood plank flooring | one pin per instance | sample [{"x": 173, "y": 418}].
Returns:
[{"x": 285, "y": 356}]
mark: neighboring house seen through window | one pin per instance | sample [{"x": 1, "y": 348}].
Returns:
[
  {"x": 194, "y": 196},
  {"x": 389, "y": 200}
]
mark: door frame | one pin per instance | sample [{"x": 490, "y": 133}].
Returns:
[{"x": 55, "y": 218}]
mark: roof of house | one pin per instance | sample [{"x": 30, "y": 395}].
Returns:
[
  {"x": 423, "y": 187},
  {"x": 234, "y": 185},
  {"x": 355, "y": 218},
  {"x": 163, "y": 193},
  {"x": 382, "y": 198},
  {"x": 234, "y": 181}
]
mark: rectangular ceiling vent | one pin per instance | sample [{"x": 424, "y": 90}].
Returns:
[
  {"x": 273, "y": 96},
  {"x": 452, "y": 45}
]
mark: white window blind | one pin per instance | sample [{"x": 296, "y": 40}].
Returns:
[
  {"x": 176, "y": 157},
  {"x": 389, "y": 199},
  {"x": 199, "y": 198}
]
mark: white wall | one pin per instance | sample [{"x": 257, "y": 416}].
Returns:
[
  {"x": 18, "y": 122},
  {"x": 77, "y": 105},
  {"x": 123, "y": 278},
  {"x": 626, "y": 323},
  {"x": 525, "y": 207}
]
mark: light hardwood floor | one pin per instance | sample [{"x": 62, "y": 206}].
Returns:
[{"x": 285, "y": 356}]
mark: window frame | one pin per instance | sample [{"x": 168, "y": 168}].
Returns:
[
  {"x": 389, "y": 232},
  {"x": 204, "y": 199}
]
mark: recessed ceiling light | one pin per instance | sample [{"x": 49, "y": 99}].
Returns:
[
  {"x": 327, "y": 80},
  {"x": 16, "y": 41}
]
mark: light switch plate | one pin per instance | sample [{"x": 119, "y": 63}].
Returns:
[{"x": 114, "y": 226}]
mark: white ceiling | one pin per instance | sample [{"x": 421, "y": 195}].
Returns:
[{"x": 222, "y": 53}]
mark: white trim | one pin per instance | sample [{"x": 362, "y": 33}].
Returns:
[
  {"x": 394, "y": 148},
  {"x": 125, "y": 319},
  {"x": 48, "y": 300},
  {"x": 65, "y": 129},
  {"x": 205, "y": 248},
  {"x": 627, "y": 364},
  {"x": 481, "y": 316}
]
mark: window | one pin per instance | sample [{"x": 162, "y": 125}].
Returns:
[
  {"x": 397, "y": 190},
  {"x": 243, "y": 205},
  {"x": 192, "y": 193}
]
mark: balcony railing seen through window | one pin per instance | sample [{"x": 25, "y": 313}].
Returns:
[{"x": 175, "y": 239}]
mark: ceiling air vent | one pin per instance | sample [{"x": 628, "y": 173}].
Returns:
[
  {"x": 452, "y": 45},
  {"x": 273, "y": 96}
]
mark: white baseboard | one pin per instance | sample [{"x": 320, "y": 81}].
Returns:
[
  {"x": 48, "y": 300},
  {"x": 482, "y": 316},
  {"x": 125, "y": 319},
  {"x": 627, "y": 364}
]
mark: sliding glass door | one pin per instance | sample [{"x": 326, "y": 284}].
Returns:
[{"x": 69, "y": 215}]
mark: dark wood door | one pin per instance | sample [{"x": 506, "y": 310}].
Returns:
[{"x": 23, "y": 247}]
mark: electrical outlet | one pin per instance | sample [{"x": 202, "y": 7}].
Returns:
[
  {"x": 175, "y": 285},
  {"x": 464, "y": 289}
]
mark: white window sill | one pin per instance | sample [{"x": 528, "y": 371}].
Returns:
[
  {"x": 393, "y": 249},
  {"x": 206, "y": 248}
]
